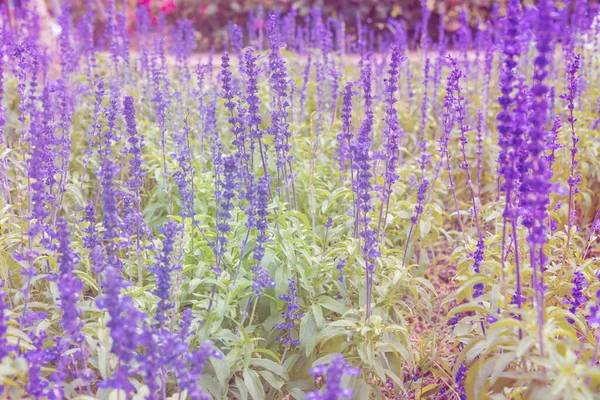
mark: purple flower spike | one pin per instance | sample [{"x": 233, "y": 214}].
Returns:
[
  {"x": 291, "y": 314},
  {"x": 333, "y": 373}
]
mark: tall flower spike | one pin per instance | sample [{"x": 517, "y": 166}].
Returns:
[
  {"x": 5, "y": 348},
  {"x": 345, "y": 137},
  {"x": 578, "y": 297},
  {"x": 362, "y": 168},
  {"x": 69, "y": 286},
  {"x": 393, "y": 133},
  {"x": 262, "y": 279},
  {"x": 574, "y": 179},
  {"x": 69, "y": 348},
  {"x": 459, "y": 111},
  {"x": 253, "y": 101},
  {"x": 279, "y": 125},
  {"x": 510, "y": 130},
  {"x": 333, "y": 373},
  {"x": 535, "y": 185},
  {"x": 290, "y": 315},
  {"x": 163, "y": 269},
  {"x": 197, "y": 360}
]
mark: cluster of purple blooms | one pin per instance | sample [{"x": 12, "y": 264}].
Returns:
[
  {"x": 333, "y": 374},
  {"x": 291, "y": 314}
]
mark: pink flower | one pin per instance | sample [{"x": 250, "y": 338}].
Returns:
[{"x": 168, "y": 6}]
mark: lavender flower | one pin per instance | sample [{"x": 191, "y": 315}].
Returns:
[
  {"x": 253, "y": 116},
  {"x": 573, "y": 180},
  {"x": 459, "y": 380},
  {"x": 291, "y": 314},
  {"x": 511, "y": 130},
  {"x": 577, "y": 293},
  {"x": 236, "y": 121},
  {"x": 421, "y": 192},
  {"x": 459, "y": 111},
  {"x": 262, "y": 279},
  {"x": 236, "y": 37},
  {"x": 479, "y": 139},
  {"x": 197, "y": 360},
  {"x": 68, "y": 57},
  {"x": 425, "y": 101},
  {"x": 41, "y": 166},
  {"x": 535, "y": 186},
  {"x": 225, "y": 207},
  {"x": 392, "y": 135},
  {"x": 158, "y": 69},
  {"x": 184, "y": 176},
  {"x": 136, "y": 146},
  {"x": 593, "y": 318},
  {"x": 361, "y": 185},
  {"x": 345, "y": 137},
  {"x": 69, "y": 286},
  {"x": 163, "y": 269},
  {"x": 5, "y": 348},
  {"x": 340, "y": 267},
  {"x": 333, "y": 373},
  {"x": 279, "y": 125},
  {"x": 452, "y": 86},
  {"x": 37, "y": 387},
  {"x": 69, "y": 349}
]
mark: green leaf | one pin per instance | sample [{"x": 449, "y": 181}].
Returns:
[
  {"x": 332, "y": 304},
  {"x": 270, "y": 366},
  {"x": 239, "y": 383},
  {"x": 318, "y": 314},
  {"x": 223, "y": 372},
  {"x": 308, "y": 334},
  {"x": 254, "y": 384},
  {"x": 466, "y": 308}
]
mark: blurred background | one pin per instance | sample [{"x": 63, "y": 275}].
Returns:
[{"x": 211, "y": 18}]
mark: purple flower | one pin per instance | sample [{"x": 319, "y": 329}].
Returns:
[
  {"x": 41, "y": 165},
  {"x": 593, "y": 318},
  {"x": 425, "y": 101},
  {"x": 573, "y": 180},
  {"x": 184, "y": 176},
  {"x": 535, "y": 183},
  {"x": 163, "y": 268},
  {"x": 280, "y": 102},
  {"x": 136, "y": 145},
  {"x": 226, "y": 186},
  {"x": 236, "y": 37},
  {"x": 254, "y": 119},
  {"x": 262, "y": 280},
  {"x": 68, "y": 56},
  {"x": 159, "y": 81},
  {"x": 333, "y": 373},
  {"x": 362, "y": 167},
  {"x": 578, "y": 297},
  {"x": 291, "y": 314},
  {"x": 345, "y": 137},
  {"x": 459, "y": 380},
  {"x": 340, "y": 267},
  {"x": 4, "y": 318},
  {"x": 69, "y": 286},
  {"x": 3, "y": 49},
  {"x": 37, "y": 387},
  {"x": 392, "y": 131},
  {"x": 197, "y": 360}
]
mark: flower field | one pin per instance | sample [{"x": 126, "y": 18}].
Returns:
[{"x": 317, "y": 211}]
